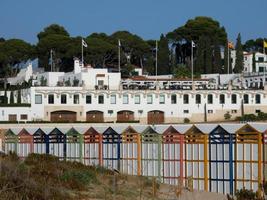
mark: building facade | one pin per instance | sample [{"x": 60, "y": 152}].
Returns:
[{"x": 97, "y": 95}]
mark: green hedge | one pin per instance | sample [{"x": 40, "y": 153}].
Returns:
[{"x": 16, "y": 105}]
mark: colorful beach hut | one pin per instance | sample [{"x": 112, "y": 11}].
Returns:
[
  {"x": 40, "y": 141},
  {"x": 248, "y": 158},
  {"x": 172, "y": 155},
  {"x": 25, "y": 143},
  {"x": 111, "y": 149},
  {"x": 74, "y": 145},
  {"x": 151, "y": 153},
  {"x": 57, "y": 143},
  {"x": 221, "y": 159},
  {"x": 92, "y": 147},
  {"x": 130, "y": 151},
  {"x": 11, "y": 141},
  {"x": 196, "y": 158}
]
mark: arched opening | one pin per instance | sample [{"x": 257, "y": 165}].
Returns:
[
  {"x": 95, "y": 116},
  {"x": 155, "y": 117},
  {"x": 125, "y": 116},
  {"x": 63, "y": 116}
]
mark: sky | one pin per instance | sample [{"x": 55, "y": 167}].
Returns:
[{"x": 24, "y": 19}]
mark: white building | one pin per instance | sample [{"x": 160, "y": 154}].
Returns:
[{"x": 97, "y": 95}]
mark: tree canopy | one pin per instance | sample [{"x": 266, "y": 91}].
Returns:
[{"x": 174, "y": 49}]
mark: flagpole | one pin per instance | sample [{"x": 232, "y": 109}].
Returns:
[
  {"x": 82, "y": 52},
  {"x": 156, "y": 59},
  {"x": 119, "y": 55},
  {"x": 192, "y": 63}
]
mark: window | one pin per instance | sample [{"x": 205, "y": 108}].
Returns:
[
  {"x": 162, "y": 99},
  {"x": 210, "y": 99},
  {"x": 125, "y": 99},
  {"x": 100, "y": 82},
  {"x": 23, "y": 117},
  {"x": 246, "y": 99},
  {"x": 198, "y": 99},
  {"x": 149, "y": 99},
  {"x": 50, "y": 99},
  {"x": 137, "y": 99},
  {"x": 173, "y": 99},
  {"x": 63, "y": 99},
  {"x": 113, "y": 99},
  {"x": 101, "y": 99},
  {"x": 233, "y": 98},
  {"x": 88, "y": 99},
  {"x": 110, "y": 112},
  {"x": 186, "y": 111},
  {"x": 210, "y": 111},
  {"x": 260, "y": 59},
  {"x": 233, "y": 111},
  {"x": 76, "y": 99},
  {"x": 38, "y": 99},
  {"x": 186, "y": 99},
  {"x": 222, "y": 99},
  {"x": 258, "y": 99}
]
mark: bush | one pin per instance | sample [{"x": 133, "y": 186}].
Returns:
[
  {"x": 245, "y": 194},
  {"x": 227, "y": 116},
  {"x": 247, "y": 118},
  {"x": 186, "y": 120}
]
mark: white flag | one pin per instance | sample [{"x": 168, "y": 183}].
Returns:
[
  {"x": 193, "y": 44},
  {"x": 119, "y": 43},
  {"x": 84, "y": 43}
]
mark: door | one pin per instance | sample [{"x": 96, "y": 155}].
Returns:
[
  {"x": 95, "y": 116},
  {"x": 155, "y": 117}
]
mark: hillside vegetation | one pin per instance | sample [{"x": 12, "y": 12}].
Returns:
[{"x": 45, "y": 177}]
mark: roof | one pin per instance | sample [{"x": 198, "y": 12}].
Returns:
[
  {"x": 144, "y": 78},
  {"x": 261, "y": 127},
  {"x": 231, "y": 128},
  {"x": 149, "y": 130}
]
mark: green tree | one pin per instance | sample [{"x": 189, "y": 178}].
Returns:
[
  {"x": 181, "y": 71},
  {"x": 53, "y": 29},
  {"x": 12, "y": 53},
  {"x": 196, "y": 29},
  {"x": 11, "y": 100},
  {"x": 217, "y": 61},
  {"x": 134, "y": 48},
  {"x": 254, "y": 63},
  {"x": 101, "y": 52},
  {"x": 163, "y": 56},
  {"x": 19, "y": 97},
  {"x": 226, "y": 58},
  {"x": 239, "y": 63}
]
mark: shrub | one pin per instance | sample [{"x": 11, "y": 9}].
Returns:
[
  {"x": 186, "y": 120},
  {"x": 227, "y": 116}
]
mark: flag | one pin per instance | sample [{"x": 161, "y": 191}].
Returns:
[
  {"x": 230, "y": 45},
  {"x": 119, "y": 43},
  {"x": 84, "y": 43},
  {"x": 264, "y": 44},
  {"x": 193, "y": 44}
]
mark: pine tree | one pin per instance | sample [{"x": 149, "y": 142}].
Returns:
[
  {"x": 208, "y": 56},
  {"x": 253, "y": 63},
  {"x": 163, "y": 56},
  {"x": 5, "y": 98},
  {"x": 19, "y": 97},
  {"x": 226, "y": 57},
  {"x": 239, "y": 63},
  {"x": 217, "y": 59},
  {"x": 199, "y": 62},
  {"x": 11, "y": 101}
]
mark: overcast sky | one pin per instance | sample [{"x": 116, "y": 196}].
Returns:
[{"x": 148, "y": 18}]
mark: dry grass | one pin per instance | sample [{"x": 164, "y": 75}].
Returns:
[{"x": 44, "y": 177}]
